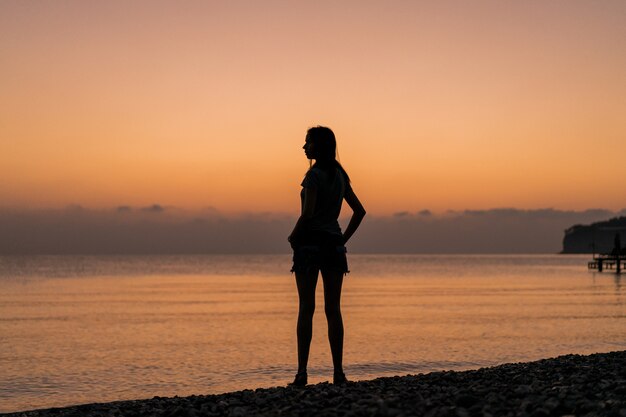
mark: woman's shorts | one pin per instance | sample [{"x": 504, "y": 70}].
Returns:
[{"x": 314, "y": 254}]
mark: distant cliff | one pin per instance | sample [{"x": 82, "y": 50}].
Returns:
[{"x": 582, "y": 238}]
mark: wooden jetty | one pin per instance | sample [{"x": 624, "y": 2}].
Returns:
[{"x": 607, "y": 261}]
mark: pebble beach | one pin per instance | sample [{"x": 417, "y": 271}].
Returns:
[{"x": 592, "y": 385}]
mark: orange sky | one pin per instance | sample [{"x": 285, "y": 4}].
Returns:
[{"x": 437, "y": 105}]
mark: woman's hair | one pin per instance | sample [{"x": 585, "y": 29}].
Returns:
[{"x": 325, "y": 146}]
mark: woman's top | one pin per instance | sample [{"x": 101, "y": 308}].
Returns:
[{"x": 331, "y": 188}]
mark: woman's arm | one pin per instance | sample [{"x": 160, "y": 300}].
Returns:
[
  {"x": 310, "y": 197},
  {"x": 357, "y": 215}
]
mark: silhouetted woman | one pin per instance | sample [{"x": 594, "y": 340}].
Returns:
[{"x": 318, "y": 245}]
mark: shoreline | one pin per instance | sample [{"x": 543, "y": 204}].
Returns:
[{"x": 566, "y": 385}]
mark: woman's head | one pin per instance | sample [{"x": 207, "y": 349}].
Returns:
[{"x": 320, "y": 144}]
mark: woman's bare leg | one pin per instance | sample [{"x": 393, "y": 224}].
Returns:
[
  {"x": 333, "y": 281},
  {"x": 306, "y": 282}
]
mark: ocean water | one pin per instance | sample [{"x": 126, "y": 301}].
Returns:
[{"x": 80, "y": 329}]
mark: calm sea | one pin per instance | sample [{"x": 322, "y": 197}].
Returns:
[{"x": 77, "y": 329}]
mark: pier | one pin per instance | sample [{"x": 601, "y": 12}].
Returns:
[
  {"x": 613, "y": 260},
  {"x": 610, "y": 262}
]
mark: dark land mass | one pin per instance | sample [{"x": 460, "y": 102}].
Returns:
[
  {"x": 593, "y": 385},
  {"x": 599, "y": 236}
]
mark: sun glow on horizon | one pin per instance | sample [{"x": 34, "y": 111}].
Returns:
[{"x": 435, "y": 106}]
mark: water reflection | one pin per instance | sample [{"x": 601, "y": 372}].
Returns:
[
  {"x": 601, "y": 277},
  {"x": 124, "y": 335},
  {"x": 617, "y": 280}
]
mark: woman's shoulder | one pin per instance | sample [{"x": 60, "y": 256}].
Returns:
[
  {"x": 315, "y": 172},
  {"x": 312, "y": 177}
]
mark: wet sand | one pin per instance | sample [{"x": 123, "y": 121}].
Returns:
[{"x": 593, "y": 385}]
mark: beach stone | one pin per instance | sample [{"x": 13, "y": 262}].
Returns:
[
  {"x": 238, "y": 412},
  {"x": 466, "y": 400},
  {"x": 540, "y": 412},
  {"x": 462, "y": 412},
  {"x": 523, "y": 390}
]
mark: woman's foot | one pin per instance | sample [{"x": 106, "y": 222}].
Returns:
[
  {"x": 339, "y": 378},
  {"x": 300, "y": 379}
]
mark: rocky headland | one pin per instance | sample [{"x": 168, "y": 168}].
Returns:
[{"x": 597, "y": 237}]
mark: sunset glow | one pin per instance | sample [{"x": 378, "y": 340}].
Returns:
[{"x": 436, "y": 105}]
